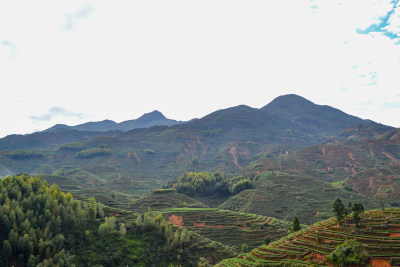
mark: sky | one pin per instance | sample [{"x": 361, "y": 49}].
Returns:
[{"x": 76, "y": 61}]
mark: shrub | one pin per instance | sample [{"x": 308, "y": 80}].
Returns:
[{"x": 351, "y": 252}]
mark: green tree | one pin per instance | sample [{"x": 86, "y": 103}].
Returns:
[
  {"x": 185, "y": 236},
  {"x": 296, "y": 224},
  {"x": 357, "y": 209},
  {"x": 100, "y": 211},
  {"x": 92, "y": 208},
  {"x": 351, "y": 252},
  {"x": 339, "y": 210},
  {"x": 7, "y": 250},
  {"x": 122, "y": 229},
  {"x": 245, "y": 248},
  {"x": 31, "y": 261},
  {"x": 381, "y": 198}
]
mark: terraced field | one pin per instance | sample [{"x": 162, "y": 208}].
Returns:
[
  {"x": 379, "y": 234},
  {"x": 160, "y": 200},
  {"x": 228, "y": 227},
  {"x": 281, "y": 195}
]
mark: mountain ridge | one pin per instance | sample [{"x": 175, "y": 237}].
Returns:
[{"x": 146, "y": 120}]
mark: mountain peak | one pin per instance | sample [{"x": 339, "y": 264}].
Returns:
[
  {"x": 305, "y": 114},
  {"x": 289, "y": 100},
  {"x": 155, "y": 114}
]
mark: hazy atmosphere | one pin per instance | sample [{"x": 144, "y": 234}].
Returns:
[{"x": 81, "y": 61}]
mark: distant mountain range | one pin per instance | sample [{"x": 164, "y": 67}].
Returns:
[
  {"x": 283, "y": 135},
  {"x": 146, "y": 120}
]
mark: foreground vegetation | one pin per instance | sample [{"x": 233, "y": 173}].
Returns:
[
  {"x": 43, "y": 226},
  {"x": 377, "y": 239}
]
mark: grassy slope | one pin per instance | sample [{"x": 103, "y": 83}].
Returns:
[
  {"x": 282, "y": 195},
  {"x": 379, "y": 233},
  {"x": 161, "y": 201}
]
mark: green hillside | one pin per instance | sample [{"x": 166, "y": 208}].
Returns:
[
  {"x": 282, "y": 195},
  {"x": 378, "y": 236},
  {"x": 161, "y": 199}
]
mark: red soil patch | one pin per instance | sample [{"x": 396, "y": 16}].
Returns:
[
  {"x": 391, "y": 157},
  {"x": 202, "y": 145},
  {"x": 319, "y": 258},
  {"x": 394, "y": 234},
  {"x": 235, "y": 160},
  {"x": 351, "y": 156},
  {"x": 175, "y": 220},
  {"x": 137, "y": 157},
  {"x": 379, "y": 262}
]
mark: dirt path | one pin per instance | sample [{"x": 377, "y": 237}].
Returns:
[{"x": 235, "y": 160}]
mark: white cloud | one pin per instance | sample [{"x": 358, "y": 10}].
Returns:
[
  {"x": 71, "y": 18},
  {"x": 53, "y": 112}
]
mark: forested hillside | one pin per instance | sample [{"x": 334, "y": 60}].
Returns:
[{"x": 43, "y": 226}]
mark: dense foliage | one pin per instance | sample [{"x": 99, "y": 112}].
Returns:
[
  {"x": 35, "y": 221},
  {"x": 74, "y": 146},
  {"x": 24, "y": 154},
  {"x": 350, "y": 252},
  {"x": 93, "y": 152},
  {"x": 206, "y": 183}
]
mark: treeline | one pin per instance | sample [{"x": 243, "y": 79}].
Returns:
[
  {"x": 93, "y": 152},
  {"x": 205, "y": 184},
  {"x": 74, "y": 146},
  {"x": 24, "y": 154}
]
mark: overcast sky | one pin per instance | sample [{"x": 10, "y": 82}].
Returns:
[{"x": 76, "y": 61}]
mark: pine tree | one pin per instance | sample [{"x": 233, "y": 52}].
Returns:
[
  {"x": 185, "y": 236},
  {"x": 296, "y": 224},
  {"x": 122, "y": 229},
  {"x": 92, "y": 208},
  {"x": 339, "y": 209},
  {"x": 357, "y": 208}
]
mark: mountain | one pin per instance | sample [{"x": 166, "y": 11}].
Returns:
[
  {"x": 226, "y": 140},
  {"x": 147, "y": 120},
  {"x": 309, "y": 117},
  {"x": 48, "y": 140}
]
